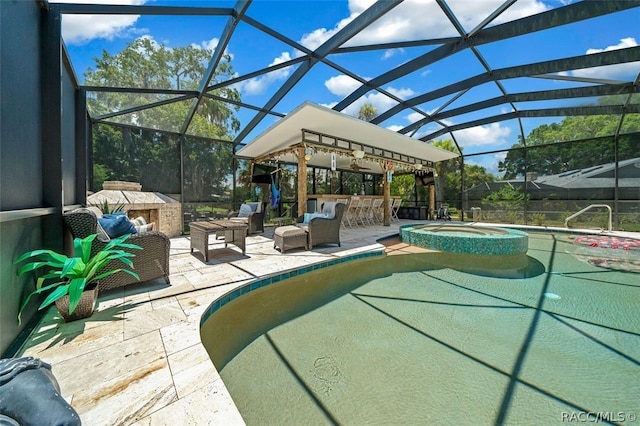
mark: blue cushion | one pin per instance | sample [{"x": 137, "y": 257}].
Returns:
[
  {"x": 117, "y": 225},
  {"x": 245, "y": 210}
]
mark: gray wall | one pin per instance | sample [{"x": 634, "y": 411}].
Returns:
[{"x": 35, "y": 137}]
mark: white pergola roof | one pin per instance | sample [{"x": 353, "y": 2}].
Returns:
[{"x": 287, "y": 132}]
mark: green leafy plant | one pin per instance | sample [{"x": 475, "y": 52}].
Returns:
[
  {"x": 105, "y": 208},
  {"x": 72, "y": 274}
]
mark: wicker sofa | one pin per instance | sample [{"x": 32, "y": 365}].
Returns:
[
  {"x": 149, "y": 263},
  {"x": 324, "y": 230}
]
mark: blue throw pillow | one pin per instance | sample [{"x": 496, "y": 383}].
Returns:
[{"x": 117, "y": 225}]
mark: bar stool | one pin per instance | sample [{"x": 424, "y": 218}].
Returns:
[
  {"x": 363, "y": 211},
  {"x": 344, "y": 201},
  {"x": 352, "y": 211}
]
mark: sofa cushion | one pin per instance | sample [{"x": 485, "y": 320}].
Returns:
[{"x": 117, "y": 225}]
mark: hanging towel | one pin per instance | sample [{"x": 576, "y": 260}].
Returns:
[{"x": 275, "y": 194}]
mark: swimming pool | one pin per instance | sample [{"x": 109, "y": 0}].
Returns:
[{"x": 434, "y": 338}]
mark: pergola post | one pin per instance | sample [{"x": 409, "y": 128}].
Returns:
[
  {"x": 386, "y": 190},
  {"x": 432, "y": 201},
  {"x": 302, "y": 181}
]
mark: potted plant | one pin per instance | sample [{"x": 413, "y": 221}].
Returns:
[{"x": 74, "y": 287}]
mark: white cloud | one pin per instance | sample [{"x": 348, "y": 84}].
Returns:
[
  {"x": 329, "y": 105},
  {"x": 258, "y": 85},
  {"x": 379, "y": 101},
  {"x": 628, "y": 70},
  {"x": 414, "y": 116},
  {"x": 317, "y": 37},
  {"x": 80, "y": 29},
  {"x": 491, "y": 134},
  {"x": 342, "y": 85},
  {"x": 394, "y": 127},
  {"x": 391, "y": 52},
  {"x": 209, "y": 44}
]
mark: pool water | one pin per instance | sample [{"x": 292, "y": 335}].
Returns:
[{"x": 434, "y": 339}]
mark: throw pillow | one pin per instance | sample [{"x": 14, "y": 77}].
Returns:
[
  {"x": 115, "y": 227},
  {"x": 309, "y": 216},
  {"x": 138, "y": 221},
  {"x": 245, "y": 210},
  {"x": 146, "y": 227}
]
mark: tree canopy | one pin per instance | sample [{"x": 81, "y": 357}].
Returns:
[
  {"x": 449, "y": 179},
  {"x": 153, "y": 158}
]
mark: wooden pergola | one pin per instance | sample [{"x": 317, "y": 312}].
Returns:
[{"x": 316, "y": 136}]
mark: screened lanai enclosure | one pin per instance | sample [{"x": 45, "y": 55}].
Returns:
[
  {"x": 541, "y": 127},
  {"x": 536, "y": 103}
]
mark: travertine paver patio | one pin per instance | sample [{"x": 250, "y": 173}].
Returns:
[{"x": 138, "y": 360}]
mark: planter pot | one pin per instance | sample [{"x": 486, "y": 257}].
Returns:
[{"x": 85, "y": 308}]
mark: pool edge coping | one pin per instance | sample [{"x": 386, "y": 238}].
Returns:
[{"x": 281, "y": 276}]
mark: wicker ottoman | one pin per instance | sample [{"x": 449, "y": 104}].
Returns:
[{"x": 288, "y": 237}]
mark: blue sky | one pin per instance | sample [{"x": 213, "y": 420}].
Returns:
[{"x": 312, "y": 22}]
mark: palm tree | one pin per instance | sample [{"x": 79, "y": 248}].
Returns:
[{"x": 367, "y": 112}]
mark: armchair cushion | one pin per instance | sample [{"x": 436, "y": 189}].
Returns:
[
  {"x": 329, "y": 209},
  {"x": 245, "y": 210}
]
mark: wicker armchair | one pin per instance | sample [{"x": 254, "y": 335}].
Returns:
[
  {"x": 149, "y": 263},
  {"x": 255, "y": 219},
  {"x": 324, "y": 230}
]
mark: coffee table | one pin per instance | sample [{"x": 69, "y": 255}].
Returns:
[{"x": 233, "y": 233}]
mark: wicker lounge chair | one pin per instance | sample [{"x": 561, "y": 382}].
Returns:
[
  {"x": 254, "y": 218},
  {"x": 149, "y": 263},
  {"x": 324, "y": 230}
]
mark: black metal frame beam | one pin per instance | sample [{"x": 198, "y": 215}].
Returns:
[
  {"x": 374, "y": 12},
  {"x": 620, "y": 56},
  {"x": 543, "y": 95},
  {"x": 239, "y": 10},
  {"x": 553, "y": 18},
  {"x": 535, "y": 113},
  {"x": 118, "y": 9}
]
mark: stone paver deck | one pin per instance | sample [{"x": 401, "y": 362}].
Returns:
[{"x": 139, "y": 361}]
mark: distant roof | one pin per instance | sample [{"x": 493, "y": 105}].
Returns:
[
  {"x": 600, "y": 176},
  {"x": 287, "y": 132}
]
